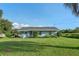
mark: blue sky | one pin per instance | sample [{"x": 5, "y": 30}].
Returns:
[{"x": 51, "y": 14}]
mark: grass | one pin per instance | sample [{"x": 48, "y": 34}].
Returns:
[{"x": 39, "y": 47}]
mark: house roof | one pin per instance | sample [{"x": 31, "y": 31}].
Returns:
[{"x": 38, "y": 29}]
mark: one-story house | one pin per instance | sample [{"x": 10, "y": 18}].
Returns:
[{"x": 42, "y": 31}]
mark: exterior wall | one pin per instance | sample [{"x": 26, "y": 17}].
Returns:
[
  {"x": 41, "y": 33},
  {"x": 53, "y": 33},
  {"x": 25, "y": 34},
  {"x": 2, "y": 35}
]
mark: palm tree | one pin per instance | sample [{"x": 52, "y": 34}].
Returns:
[{"x": 74, "y": 7}]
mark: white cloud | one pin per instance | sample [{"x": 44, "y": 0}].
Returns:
[{"x": 17, "y": 25}]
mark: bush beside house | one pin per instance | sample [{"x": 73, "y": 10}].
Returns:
[{"x": 71, "y": 33}]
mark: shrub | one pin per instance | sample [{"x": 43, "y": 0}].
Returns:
[
  {"x": 59, "y": 34},
  {"x": 8, "y": 34},
  {"x": 71, "y": 35},
  {"x": 35, "y": 34}
]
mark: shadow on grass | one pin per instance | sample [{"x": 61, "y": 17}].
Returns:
[
  {"x": 66, "y": 47},
  {"x": 24, "y": 46},
  {"x": 27, "y": 46}
]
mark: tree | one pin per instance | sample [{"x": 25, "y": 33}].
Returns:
[
  {"x": 5, "y": 27},
  {"x": 67, "y": 31},
  {"x": 15, "y": 33},
  {"x": 1, "y": 13},
  {"x": 76, "y": 30},
  {"x": 74, "y": 7}
]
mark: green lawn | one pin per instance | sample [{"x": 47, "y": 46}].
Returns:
[{"x": 39, "y": 47}]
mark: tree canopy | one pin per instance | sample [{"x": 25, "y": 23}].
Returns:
[
  {"x": 5, "y": 25},
  {"x": 74, "y": 7},
  {"x": 1, "y": 14}
]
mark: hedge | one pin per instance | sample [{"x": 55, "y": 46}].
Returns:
[{"x": 71, "y": 35}]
